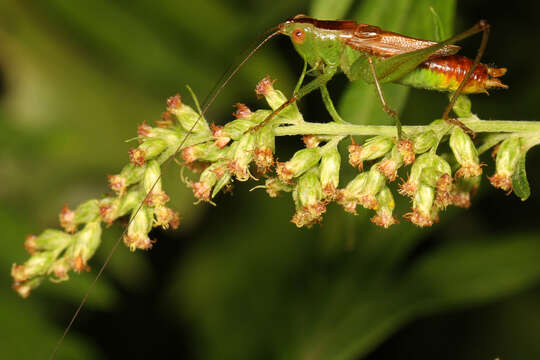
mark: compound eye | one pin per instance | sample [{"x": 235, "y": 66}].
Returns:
[{"x": 298, "y": 36}]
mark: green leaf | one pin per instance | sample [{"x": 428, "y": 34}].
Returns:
[
  {"x": 519, "y": 179},
  {"x": 330, "y": 10}
]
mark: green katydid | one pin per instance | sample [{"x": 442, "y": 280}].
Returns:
[{"x": 368, "y": 53}]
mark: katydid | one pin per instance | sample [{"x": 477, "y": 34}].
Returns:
[{"x": 368, "y": 53}]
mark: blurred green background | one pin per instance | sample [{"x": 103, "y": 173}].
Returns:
[{"x": 239, "y": 281}]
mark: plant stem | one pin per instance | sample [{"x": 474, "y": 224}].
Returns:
[{"x": 478, "y": 126}]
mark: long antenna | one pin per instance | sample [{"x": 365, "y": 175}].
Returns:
[{"x": 209, "y": 100}]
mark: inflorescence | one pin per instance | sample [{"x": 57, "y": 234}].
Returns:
[{"x": 222, "y": 154}]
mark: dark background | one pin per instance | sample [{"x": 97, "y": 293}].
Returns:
[{"x": 238, "y": 280}]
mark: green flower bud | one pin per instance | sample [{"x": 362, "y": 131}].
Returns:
[
  {"x": 265, "y": 145},
  {"x": 87, "y": 211},
  {"x": 462, "y": 107},
  {"x": 130, "y": 174},
  {"x": 302, "y": 161},
  {"x": 85, "y": 244},
  {"x": 349, "y": 196},
  {"x": 508, "y": 154},
  {"x": 148, "y": 150},
  {"x": 308, "y": 196},
  {"x": 390, "y": 164},
  {"x": 422, "y": 214},
  {"x": 274, "y": 98},
  {"x": 207, "y": 151},
  {"x": 425, "y": 141},
  {"x": 222, "y": 182},
  {"x": 136, "y": 236},
  {"x": 50, "y": 239},
  {"x": 329, "y": 169},
  {"x": 187, "y": 117},
  {"x": 24, "y": 288},
  {"x": 464, "y": 189},
  {"x": 209, "y": 177},
  {"x": 406, "y": 149},
  {"x": 374, "y": 183},
  {"x": 465, "y": 153},
  {"x": 151, "y": 184},
  {"x": 241, "y": 156},
  {"x": 409, "y": 187},
  {"x": 373, "y": 148},
  {"x": 274, "y": 186},
  {"x": 386, "y": 206},
  {"x": 37, "y": 265}
]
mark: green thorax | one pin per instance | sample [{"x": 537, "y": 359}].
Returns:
[{"x": 322, "y": 49}]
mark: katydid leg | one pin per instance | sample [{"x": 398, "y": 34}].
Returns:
[
  {"x": 387, "y": 109},
  {"x": 485, "y": 35},
  {"x": 327, "y": 100}
]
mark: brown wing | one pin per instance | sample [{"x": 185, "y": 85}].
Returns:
[{"x": 375, "y": 41}]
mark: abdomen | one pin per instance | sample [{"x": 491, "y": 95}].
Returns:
[{"x": 446, "y": 73}]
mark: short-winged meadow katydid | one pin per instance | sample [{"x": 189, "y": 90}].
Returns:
[{"x": 368, "y": 53}]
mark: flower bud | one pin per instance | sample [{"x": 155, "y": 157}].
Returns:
[
  {"x": 241, "y": 156},
  {"x": 37, "y": 265},
  {"x": 209, "y": 177},
  {"x": 374, "y": 183},
  {"x": 311, "y": 141},
  {"x": 149, "y": 149},
  {"x": 406, "y": 149},
  {"x": 242, "y": 111},
  {"x": 425, "y": 141},
  {"x": 465, "y": 153},
  {"x": 275, "y": 98},
  {"x": 373, "y": 148},
  {"x": 87, "y": 211},
  {"x": 140, "y": 225},
  {"x": 308, "y": 199},
  {"x": 50, "y": 239},
  {"x": 207, "y": 151},
  {"x": 166, "y": 217},
  {"x": 302, "y": 161},
  {"x": 265, "y": 145},
  {"x": 85, "y": 244},
  {"x": 151, "y": 184},
  {"x": 508, "y": 154},
  {"x": 386, "y": 206},
  {"x": 349, "y": 196},
  {"x": 274, "y": 186},
  {"x": 188, "y": 118},
  {"x": 24, "y": 288},
  {"x": 422, "y": 214},
  {"x": 60, "y": 269},
  {"x": 329, "y": 169},
  {"x": 463, "y": 191},
  {"x": 224, "y": 180},
  {"x": 409, "y": 187},
  {"x": 130, "y": 174},
  {"x": 391, "y": 163},
  {"x": 462, "y": 106}
]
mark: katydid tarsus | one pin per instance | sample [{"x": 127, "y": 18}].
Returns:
[{"x": 367, "y": 53}]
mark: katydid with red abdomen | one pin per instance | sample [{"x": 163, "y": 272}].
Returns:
[{"x": 368, "y": 53}]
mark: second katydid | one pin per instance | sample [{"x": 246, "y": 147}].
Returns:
[{"x": 368, "y": 53}]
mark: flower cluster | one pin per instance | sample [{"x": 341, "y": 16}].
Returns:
[{"x": 246, "y": 145}]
